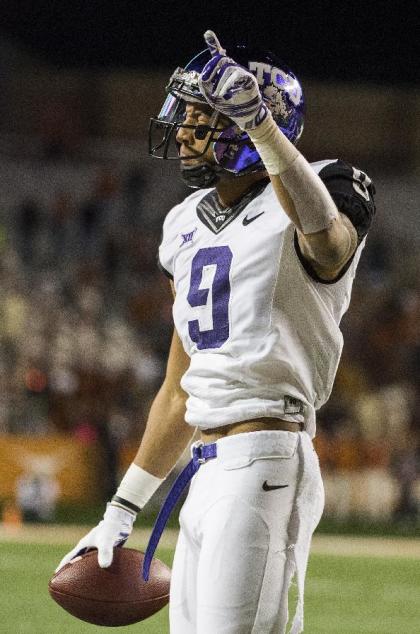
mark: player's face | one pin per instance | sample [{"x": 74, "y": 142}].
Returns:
[{"x": 189, "y": 146}]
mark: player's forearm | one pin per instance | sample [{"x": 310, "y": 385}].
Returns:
[
  {"x": 299, "y": 189},
  {"x": 167, "y": 434},
  {"x": 285, "y": 199},
  {"x": 325, "y": 237}
]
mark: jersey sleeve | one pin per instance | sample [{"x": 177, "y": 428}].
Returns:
[
  {"x": 353, "y": 193},
  {"x": 165, "y": 255},
  {"x": 178, "y": 224},
  {"x": 164, "y": 259}
]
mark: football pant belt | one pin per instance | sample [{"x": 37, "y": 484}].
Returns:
[{"x": 200, "y": 454}]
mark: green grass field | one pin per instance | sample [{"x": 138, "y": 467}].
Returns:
[{"x": 345, "y": 595}]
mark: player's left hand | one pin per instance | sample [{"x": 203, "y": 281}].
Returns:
[
  {"x": 230, "y": 88},
  {"x": 113, "y": 530}
]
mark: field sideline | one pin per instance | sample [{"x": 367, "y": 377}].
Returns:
[
  {"x": 354, "y": 585},
  {"x": 340, "y": 545}
]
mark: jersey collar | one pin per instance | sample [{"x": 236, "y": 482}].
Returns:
[{"x": 216, "y": 217}]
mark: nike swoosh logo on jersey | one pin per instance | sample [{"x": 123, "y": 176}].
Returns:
[
  {"x": 247, "y": 220},
  {"x": 273, "y": 487}
]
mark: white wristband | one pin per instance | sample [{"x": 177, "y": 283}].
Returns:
[{"x": 138, "y": 486}]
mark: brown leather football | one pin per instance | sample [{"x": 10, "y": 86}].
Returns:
[{"x": 112, "y": 596}]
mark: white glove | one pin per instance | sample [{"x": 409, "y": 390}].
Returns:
[
  {"x": 230, "y": 88},
  {"x": 113, "y": 530}
]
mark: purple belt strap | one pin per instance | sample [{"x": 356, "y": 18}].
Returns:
[{"x": 200, "y": 454}]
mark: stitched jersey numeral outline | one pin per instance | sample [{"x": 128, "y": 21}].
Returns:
[{"x": 210, "y": 291}]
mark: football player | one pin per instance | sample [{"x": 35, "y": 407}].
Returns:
[{"x": 262, "y": 258}]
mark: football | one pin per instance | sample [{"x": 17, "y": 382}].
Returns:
[{"x": 112, "y": 596}]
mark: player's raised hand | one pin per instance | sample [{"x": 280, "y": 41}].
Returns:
[
  {"x": 230, "y": 88},
  {"x": 113, "y": 530},
  {"x": 213, "y": 44}
]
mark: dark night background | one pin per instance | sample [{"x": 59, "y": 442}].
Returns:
[{"x": 329, "y": 40}]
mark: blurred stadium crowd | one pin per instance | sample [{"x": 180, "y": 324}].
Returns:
[
  {"x": 85, "y": 314},
  {"x": 86, "y": 319}
]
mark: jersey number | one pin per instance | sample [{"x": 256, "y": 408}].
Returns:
[
  {"x": 361, "y": 182},
  {"x": 210, "y": 291}
]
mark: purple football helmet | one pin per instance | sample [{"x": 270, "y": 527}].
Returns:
[{"x": 232, "y": 148}]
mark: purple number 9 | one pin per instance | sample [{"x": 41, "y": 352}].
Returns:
[{"x": 210, "y": 290}]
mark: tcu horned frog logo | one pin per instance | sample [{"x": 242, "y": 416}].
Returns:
[{"x": 273, "y": 81}]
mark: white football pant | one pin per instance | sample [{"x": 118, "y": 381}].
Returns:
[{"x": 246, "y": 528}]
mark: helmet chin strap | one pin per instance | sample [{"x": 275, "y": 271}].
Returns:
[
  {"x": 207, "y": 174},
  {"x": 200, "y": 176}
]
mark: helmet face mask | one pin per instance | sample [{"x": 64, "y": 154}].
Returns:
[
  {"x": 232, "y": 150},
  {"x": 164, "y": 128}
]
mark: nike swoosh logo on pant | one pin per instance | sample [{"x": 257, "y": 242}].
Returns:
[{"x": 273, "y": 487}]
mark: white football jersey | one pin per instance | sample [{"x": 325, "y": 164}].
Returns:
[{"x": 262, "y": 334}]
